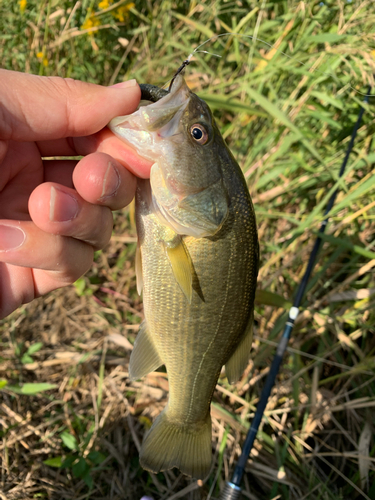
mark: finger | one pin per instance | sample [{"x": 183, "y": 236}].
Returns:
[
  {"x": 16, "y": 288},
  {"x": 100, "y": 179},
  {"x": 59, "y": 210},
  {"x": 59, "y": 171},
  {"x": 36, "y": 108},
  {"x": 33, "y": 263},
  {"x": 20, "y": 285},
  {"x": 24, "y": 244},
  {"x": 57, "y": 147},
  {"x": 20, "y": 171},
  {"x": 105, "y": 141}
]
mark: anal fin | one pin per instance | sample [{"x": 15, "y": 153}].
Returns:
[
  {"x": 144, "y": 357},
  {"x": 237, "y": 363}
]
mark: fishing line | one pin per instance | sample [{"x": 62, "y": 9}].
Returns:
[
  {"x": 254, "y": 38},
  {"x": 232, "y": 489},
  {"x": 186, "y": 63}
]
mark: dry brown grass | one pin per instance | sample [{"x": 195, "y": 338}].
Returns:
[
  {"x": 317, "y": 437},
  {"x": 87, "y": 339}
]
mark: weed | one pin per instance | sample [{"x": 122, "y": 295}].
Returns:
[{"x": 288, "y": 120}]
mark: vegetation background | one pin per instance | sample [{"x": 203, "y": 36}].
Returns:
[{"x": 286, "y": 102}]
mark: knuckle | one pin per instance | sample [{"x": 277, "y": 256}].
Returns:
[{"x": 72, "y": 259}]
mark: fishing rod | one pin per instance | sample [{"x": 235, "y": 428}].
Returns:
[{"x": 232, "y": 489}]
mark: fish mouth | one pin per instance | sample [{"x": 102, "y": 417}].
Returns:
[
  {"x": 145, "y": 129},
  {"x": 158, "y": 132}
]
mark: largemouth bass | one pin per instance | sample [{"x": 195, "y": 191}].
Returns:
[{"x": 197, "y": 262}]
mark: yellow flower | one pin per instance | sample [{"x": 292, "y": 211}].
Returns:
[
  {"x": 87, "y": 24},
  {"x": 90, "y": 22},
  {"x": 22, "y": 4},
  {"x": 42, "y": 58},
  {"x": 104, "y": 4},
  {"x": 122, "y": 12}
]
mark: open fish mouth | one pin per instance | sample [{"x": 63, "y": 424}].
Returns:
[
  {"x": 145, "y": 129},
  {"x": 186, "y": 181}
]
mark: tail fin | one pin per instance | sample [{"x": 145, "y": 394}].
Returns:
[{"x": 170, "y": 445}]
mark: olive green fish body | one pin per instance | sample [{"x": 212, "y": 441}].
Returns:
[{"x": 194, "y": 327}]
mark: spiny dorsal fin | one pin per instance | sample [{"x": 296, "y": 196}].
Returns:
[
  {"x": 179, "y": 258},
  {"x": 144, "y": 357}
]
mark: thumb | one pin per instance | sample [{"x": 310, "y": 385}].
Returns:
[{"x": 38, "y": 108}]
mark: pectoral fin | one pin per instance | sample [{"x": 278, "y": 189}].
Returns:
[
  {"x": 138, "y": 269},
  {"x": 144, "y": 357},
  {"x": 239, "y": 359},
  {"x": 179, "y": 258}
]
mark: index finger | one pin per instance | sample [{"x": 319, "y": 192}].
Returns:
[{"x": 39, "y": 108}]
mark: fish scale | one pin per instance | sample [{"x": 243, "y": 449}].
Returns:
[{"x": 198, "y": 288}]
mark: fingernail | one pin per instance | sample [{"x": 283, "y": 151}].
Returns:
[
  {"x": 111, "y": 182},
  {"x": 10, "y": 237},
  {"x": 125, "y": 85},
  {"x": 62, "y": 206}
]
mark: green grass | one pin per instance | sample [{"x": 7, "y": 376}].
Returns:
[{"x": 287, "y": 115}]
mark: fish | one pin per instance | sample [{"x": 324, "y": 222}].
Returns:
[{"x": 196, "y": 263}]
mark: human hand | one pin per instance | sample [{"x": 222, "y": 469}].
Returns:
[{"x": 55, "y": 213}]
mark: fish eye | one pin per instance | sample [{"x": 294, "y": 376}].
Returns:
[{"x": 199, "y": 133}]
